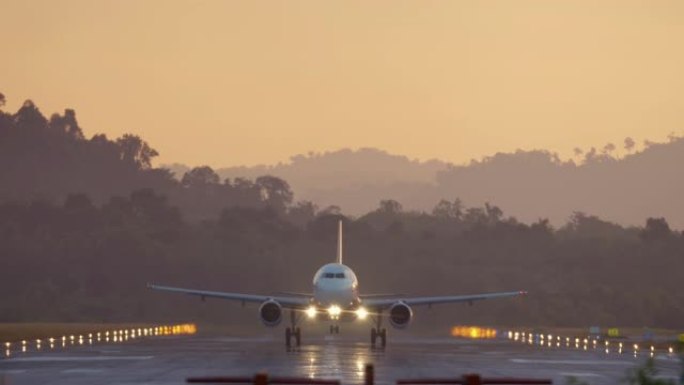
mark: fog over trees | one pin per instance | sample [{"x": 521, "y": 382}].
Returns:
[
  {"x": 624, "y": 186},
  {"x": 85, "y": 223}
]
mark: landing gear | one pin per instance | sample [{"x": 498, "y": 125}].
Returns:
[
  {"x": 379, "y": 332},
  {"x": 334, "y": 329},
  {"x": 293, "y": 332}
]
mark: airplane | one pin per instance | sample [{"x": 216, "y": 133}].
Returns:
[{"x": 336, "y": 298}]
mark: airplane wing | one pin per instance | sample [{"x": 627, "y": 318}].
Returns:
[
  {"x": 285, "y": 301},
  {"x": 381, "y": 303}
]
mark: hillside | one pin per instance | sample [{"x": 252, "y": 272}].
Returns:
[{"x": 527, "y": 184}]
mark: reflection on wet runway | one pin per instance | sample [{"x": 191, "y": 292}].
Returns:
[{"x": 171, "y": 359}]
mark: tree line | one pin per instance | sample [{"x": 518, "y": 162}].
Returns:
[{"x": 83, "y": 244}]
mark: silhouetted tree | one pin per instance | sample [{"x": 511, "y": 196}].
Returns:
[
  {"x": 331, "y": 210},
  {"x": 67, "y": 124},
  {"x": 134, "y": 150},
  {"x": 446, "y": 209},
  {"x": 629, "y": 144},
  {"x": 656, "y": 229},
  {"x": 275, "y": 192},
  {"x": 302, "y": 213},
  {"x": 608, "y": 148},
  {"x": 390, "y": 206},
  {"x": 200, "y": 177},
  {"x": 29, "y": 117}
]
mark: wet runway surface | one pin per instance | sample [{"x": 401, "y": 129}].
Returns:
[{"x": 170, "y": 360}]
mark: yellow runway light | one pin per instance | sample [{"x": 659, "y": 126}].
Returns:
[{"x": 474, "y": 332}]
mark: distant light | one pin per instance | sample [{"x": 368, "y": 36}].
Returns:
[
  {"x": 311, "y": 312},
  {"x": 362, "y": 313},
  {"x": 670, "y": 349}
]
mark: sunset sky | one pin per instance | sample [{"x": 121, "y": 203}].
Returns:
[{"x": 246, "y": 82}]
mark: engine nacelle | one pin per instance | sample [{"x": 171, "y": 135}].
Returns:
[
  {"x": 271, "y": 313},
  {"x": 400, "y": 315}
]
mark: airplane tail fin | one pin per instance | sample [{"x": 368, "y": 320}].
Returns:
[{"x": 339, "y": 242}]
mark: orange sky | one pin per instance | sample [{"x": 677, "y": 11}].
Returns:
[{"x": 245, "y": 82}]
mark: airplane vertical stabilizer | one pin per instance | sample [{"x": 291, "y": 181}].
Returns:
[{"x": 339, "y": 242}]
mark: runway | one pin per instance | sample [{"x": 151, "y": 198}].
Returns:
[{"x": 171, "y": 359}]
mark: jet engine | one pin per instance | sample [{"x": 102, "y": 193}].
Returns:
[
  {"x": 400, "y": 315},
  {"x": 271, "y": 313}
]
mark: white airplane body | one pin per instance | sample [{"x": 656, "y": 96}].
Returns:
[{"x": 336, "y": 298}]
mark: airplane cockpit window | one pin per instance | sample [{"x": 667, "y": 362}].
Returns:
[
  {"x": 329, "y": 275},
  {"x": 339, "y": 275}
]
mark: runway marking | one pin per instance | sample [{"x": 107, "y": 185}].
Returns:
[
  {"x": 77, "y": 359},
  {"x": 569, "y": 362}
]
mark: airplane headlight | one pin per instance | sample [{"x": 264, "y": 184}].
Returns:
[
  {"x": 311, "y": 312},
  {"x": 361, "y": 313},
  {"x": 334, "y": 310}
]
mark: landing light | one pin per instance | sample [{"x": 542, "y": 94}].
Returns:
[
  {"x": 361, "y": 313},
  {"x": 334, "y": 310},
  {"x": 311, "y": 312}
]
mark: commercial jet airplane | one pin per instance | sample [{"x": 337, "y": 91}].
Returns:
[{"x": 336, "y": 298}]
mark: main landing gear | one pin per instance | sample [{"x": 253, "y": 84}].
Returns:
[
  {"x": 334, "y": 329},
  {"x": 378, "y": 332},
  {"x": 294, "y": 331}
]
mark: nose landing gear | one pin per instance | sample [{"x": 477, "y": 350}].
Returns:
[{"x": 378, "y": 332}]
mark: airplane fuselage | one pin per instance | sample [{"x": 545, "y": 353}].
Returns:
[{"x": 335, "y": 284}]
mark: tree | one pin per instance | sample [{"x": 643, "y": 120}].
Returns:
[
  {"x": 2, "y": 99},
  {"x": 450, "y": 210},
  {"x": 66, "y": 124},
  {"x": 656, "y": 229},
  {"x": 390, "y": 206},
  {"x": 493, "y": 213},
  {"x": 608, "y": 148},
  {"x": 629, "y": 144},
  {"x": 200, "y": 177},
  {"x": 275, "y": 192},
  {"x": 29, "y": 117},
  {"x": 302, "y": 212},
  {"x": 331, "y": 210},
  {"x": 134, "y": 150}
]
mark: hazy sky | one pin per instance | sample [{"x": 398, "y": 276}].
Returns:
[{"x": 245, "y": 82}]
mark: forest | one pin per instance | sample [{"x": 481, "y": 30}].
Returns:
[{"x": 86, "y": 223}]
